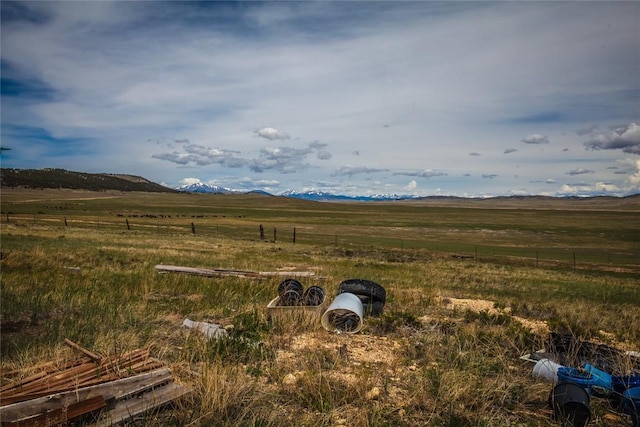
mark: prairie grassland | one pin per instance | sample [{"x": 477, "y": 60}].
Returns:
[{"x": 444, "y": 353}]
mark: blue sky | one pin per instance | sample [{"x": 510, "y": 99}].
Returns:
[{"x": 469, "y": 99}]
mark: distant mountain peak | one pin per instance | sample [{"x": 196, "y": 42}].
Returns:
[{"x": 201, "y": 187}]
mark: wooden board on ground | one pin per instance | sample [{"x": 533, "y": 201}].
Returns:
[
  {"x": 131, "y": 408},
  {"x": 227, "y": 272},
  {"x": 61, "y": 402}
]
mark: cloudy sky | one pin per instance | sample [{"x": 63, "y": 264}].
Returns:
[{"x": 362, "y": 97}]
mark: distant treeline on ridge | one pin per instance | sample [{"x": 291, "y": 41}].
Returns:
[{"x": 61, "y": 178}]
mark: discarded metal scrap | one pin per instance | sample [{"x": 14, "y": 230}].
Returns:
[{"x": 91, "y": 386}]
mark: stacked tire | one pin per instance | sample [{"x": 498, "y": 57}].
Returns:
[
  {"x": 372, "y": 295},
  {"x": 292, "y": 293}
]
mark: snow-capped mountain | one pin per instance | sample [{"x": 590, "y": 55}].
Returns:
[
  {"x": 321, "y": 195},
  {"x": 201, "y": 187}
]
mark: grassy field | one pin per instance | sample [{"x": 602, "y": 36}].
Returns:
[{"x": 471, "y": 285}]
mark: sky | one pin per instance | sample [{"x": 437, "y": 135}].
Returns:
[{"x": 468, "y": 99}]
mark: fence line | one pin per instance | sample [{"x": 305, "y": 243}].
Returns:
[{"x": 536, "y": 256}]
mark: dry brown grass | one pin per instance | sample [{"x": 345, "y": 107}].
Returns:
[{"x": 445, "y": 353}]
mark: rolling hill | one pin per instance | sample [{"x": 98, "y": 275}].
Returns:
[{"x": 61, "y": 178}]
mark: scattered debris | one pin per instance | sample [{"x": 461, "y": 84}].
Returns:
[
  {"x": 355, "y": 299},
  {"x": 229, "y": 272},
  {"x": 295, "y": 303},
  {"x": 211, "y": 330},
  {"x": 102, "y": 388},
  {"x": 592, "y": 369}
]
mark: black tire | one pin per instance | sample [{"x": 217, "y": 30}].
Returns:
[
  {"x": 290, "y": 298},
  {"x": 374, "y": 309},
  {"x": 364, "y": 289},
  {"x": 313, "y": 296},
  {"x": 290, "y": 285}
]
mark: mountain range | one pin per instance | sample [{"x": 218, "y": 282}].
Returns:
[
  {"x": 61, "y": 178},
  {"x": 201, "y": 187}
]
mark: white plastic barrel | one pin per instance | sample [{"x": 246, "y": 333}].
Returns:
[
  {"x": 344, "y": 314},
  {"x": 546, "y": 369}
]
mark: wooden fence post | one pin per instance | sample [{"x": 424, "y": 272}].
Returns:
[
  {"x": 193, "y": 228},
  {"x": 274, "y": 234},
  {"x": 127, "y": 220},
  {"x": 65, "y": 222},
  {"x": 294, "y": 234}
]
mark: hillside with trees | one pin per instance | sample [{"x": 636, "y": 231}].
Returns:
[{"x": 61, "y": 178}]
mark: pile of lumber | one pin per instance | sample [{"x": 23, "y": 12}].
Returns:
[{"x": 106, "y": 390}]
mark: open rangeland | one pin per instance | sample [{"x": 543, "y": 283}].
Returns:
[{"x": 471, "y": 286}]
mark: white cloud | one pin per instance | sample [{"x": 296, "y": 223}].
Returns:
[
  {"x": 606, "y": 187},
  {"x": 634, "y": 180},
  {"x": 272, "y": 134},
  {"x": 190, "y": 181},
  {"x": 412, "y": 185}
]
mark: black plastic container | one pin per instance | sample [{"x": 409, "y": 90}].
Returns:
[{"x": 570, "y": 403}]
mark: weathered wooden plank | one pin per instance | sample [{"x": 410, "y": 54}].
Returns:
[
  {"x": 128, "y": 409},
  {"x": 226, "y": 272},
  {"x": 203, "y": 271},
  {"x": 287, "y": 273},
  {"x": 84, "y": 375},
  {"x": 118, "y": 389},
  {"x": 59, "y": 415}
]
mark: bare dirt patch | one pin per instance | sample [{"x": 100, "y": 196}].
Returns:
[
  {"x": 355, "y": 350},
  {"x": 479, "y": 305}
]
